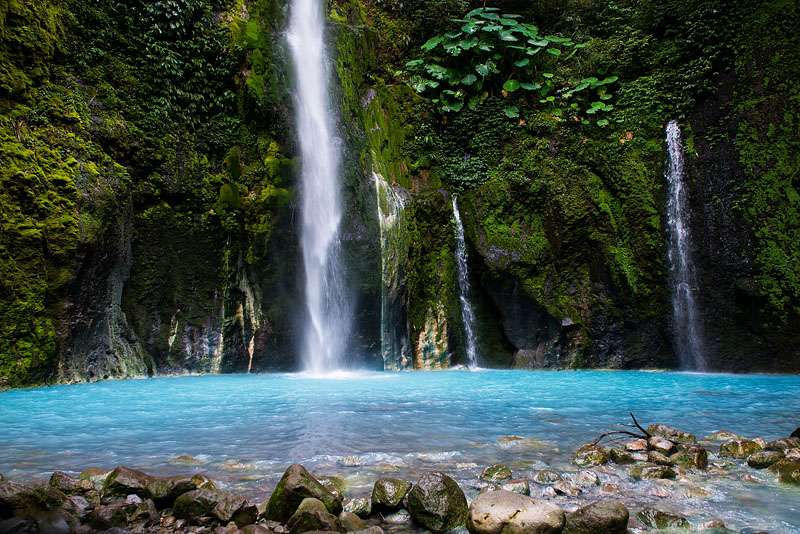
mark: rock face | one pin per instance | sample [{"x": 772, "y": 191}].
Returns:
[
  {"x": 739, "y": 448},
  {"x": 604, "y": 517},
  {"x": 296, "y": 485},
  {"x": 388, "y": 493},
  {"x": 437, "y": 503},
  {"x": 312, "y": 515},
  {"x": 504, "y": 512}
]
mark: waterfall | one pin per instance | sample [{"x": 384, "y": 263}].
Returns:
[
  {"x": 467, "y": 315},
  {"x": 328, "y": 325},
  {"x": 394, "y": 250},
  {"x": 686, "y": 325}
]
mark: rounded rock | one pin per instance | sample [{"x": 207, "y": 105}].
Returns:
[
  {"x": 739, "y": 448},
  {"x": 437, "y": 503},
  {"x": 496, "y": 473},
  {"x": 604, "y": 517},
  {"x": 764, "y": 459},
  {"x": 590, "y": 455},
  {"x": 388, "y": 493},
  {"x": 312, "y": 514},
  {"x": 296, "y": 485},
  {"x": 504, "y": 512},
  {"x": 547, "y": 477}
]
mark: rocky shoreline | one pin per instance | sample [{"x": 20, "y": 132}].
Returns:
[{"x": 126, "y": 500}]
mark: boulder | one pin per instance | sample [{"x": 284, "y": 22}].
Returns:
[
  {"x": 547, "y": 477},
  {"x": 586, "y": 479},
  {"x": 636, "y": 445},
  {"x": 504, "y": 512},
  {"x": 693, "y": 457},
  {"x": 255, "y": 529},
  {"x": 388, "y": 494},
  {"x": 672, "y": 434},
  {"x": 312, "y": 514},
  {"x": 796, "y": 433},
  {"x": 361, "y": 506},
  {"x": 496, "y": 473},
  {"x": 437, "y": 503},
  {"x": 783, "y": 444},
  {"x": 336, "y": 485},
  {"x": 620, "y": 457},
  {"x": 652, "y": 472},
  {"x": 662, "y": 520},
  {"x": 124, "y": 481},
  {"x": 520, "y": 486},
  {"x": 661, "y": 444},
  {"x": 604, "y": 517},
  {"x": 563, "y": 487},
  {"x": 655, "y": 457},
  {"x": 764, "y": 459},
  {"x": 68, "y": 485},
  {"x": 792, "y": 454},
  {"x": 590, "y": 455},
  {"x": 722, "y": 435},
  {"x": 296, "y": 485},
  {"x": 11, "y": 497},
  {"x": 788, "y": 471},
  {"x": 350, "y": 522},
  {"x": 739, "y": 448},
  {"x": 216, "y": 504},
  {"x": 121, "y": 514}
]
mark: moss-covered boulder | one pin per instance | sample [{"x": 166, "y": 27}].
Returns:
[
  {"x": 620, "y": 457},
  {"x": 662, "y": 520},
  {"x": 591, "y": 455},
  {"x": 496, "y": 473},
  {"x": 334, "y": 484},
  {"x": 437, "y": 503},
  {"x": 764, "y": 459},
  {"x": 69, "y": 485},
  {"x": 739, "y": 448},
  {"x": 350, "y": 522},
  {"x": 218, "y": 505},
  {"x": 604, "y": 517},
  {"x": 497, "y": 512},
  {"x": 639, "y": 472},
  {"x": 691, "y": 457},
  {"x": 783, "y": 444},
  {"x": 296, "y": 485},
  {"x": 547, "y": 477},
  {"x": 388, "y": 493},
  {"x": 312, "y": 514},
  {"x": 361, "y": 506},
  {"x": 788, "y": 471}
]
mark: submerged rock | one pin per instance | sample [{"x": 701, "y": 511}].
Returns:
[
  {"x": 437, "y": 503},
  {"x": 312, "y": 514},
  {"x": 388, "y": 493},
  {"x": 563, "y": 487},
  {"x": 662, "y": 520},
  {"x": 361, "y": 506},
  {"x": 672, "y": 434},
  {"x": 739, "y": 448},
  {"x": 587, "y": 479},
  {"x": 764, "y": 459},
  {"x": 504, "y": 512},
  {"x": 496, "y": 473},
  {"x": 604, "y": 517},
  {"x": 590, "y": 455},
  {"x": 296, "y": 485},
  {"x": 693, "y": 457}
]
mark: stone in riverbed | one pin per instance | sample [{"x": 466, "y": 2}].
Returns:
[
  {"x": 652, "y": 472},
  {"x": 68, "y": 485},
  {"x": 655, "y": 457},
  {"x": 519, "y": 486},
  {"x": 504, "y": 512},
  {"x": 334, "y": 484},
  {"x": 661, "y": 444},
  {"x": 604, "y": 517},
  {"x": 295, "y": 485},
  {"x": 388, "y": 494},
  {"x": 361, "y": 506},
  {"x": 636, "y": 445},
  {"x": 124, "y": 481},
  {"x": 739, "y": 448},
  {"x": 764, "y": 459},
  {"x": 788, "y": 471},
  {"x": 496, "y": 473},
  {"x": 693, "y": 457},
  {"x": 351, "y": 522},
  {"x": 122, "y": 514},
  {"x": 223, "y": 506},
  {"x": 255, "y": 529},
  {"x": 662, "y": 520},
  {"x": 312, "y": 514},
  {"x": 722, "y": 435},
  {"x": 586, "y": 479},
  {"x": 547, "y": 477},
  {"x": 792, "y": 454},
  {"x": 783, "y": 444},
  {"x": 369, "y": 530},
  {"x": 620, "y": 457},
  {"x": 437, "y": 503},
  {"x": 564, "y": 487},
  {"x": 590, "y": 455},
  {"x": 672, "y": 434}
]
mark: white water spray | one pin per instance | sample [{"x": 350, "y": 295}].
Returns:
[
  {"x": 467, "y": 314},
  {"x": 328, "y": 326},
  {"x": 686, "y": 324}
]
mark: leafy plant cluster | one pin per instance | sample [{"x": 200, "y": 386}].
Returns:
[{"x": 498, "y": 53}]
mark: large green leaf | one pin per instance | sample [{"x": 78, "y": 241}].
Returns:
[
  {"x": 512, "y": 112},
  {"x": 469, "y": 79},
  {"x": 511, "y": 85},
  {"x": 432, "y": 43}
]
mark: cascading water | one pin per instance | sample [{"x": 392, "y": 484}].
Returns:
[
  {"x": 328, "y": 325},
  {"x": 686, "y": 325},
  {"x": 467, "y": 314}
]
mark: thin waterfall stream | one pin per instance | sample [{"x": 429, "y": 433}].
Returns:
[
  {"x": 329, "y": 315},
  {"x": 467, "y": 313},
  {"x": 686, "y": 322}
]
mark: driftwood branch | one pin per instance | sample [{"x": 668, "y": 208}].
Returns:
[{"x": 619, "y": 433}]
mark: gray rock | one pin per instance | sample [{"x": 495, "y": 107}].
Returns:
[
  {"x": 764, "y": 459},
  {"x": 672, "y": 434},
  {"x": 739, "y": 448},
  {"x": 547, "y": 477},
  {"x": 520, "y": 486},
  {"x": 783, "y": 444},
  {"x": 124, "y": 481},
  {"x": 792, "y": 454},
  {"x": 604, "y": 517},
  {"x": 437, "y": 503},
  {"x": 121, "y": 514},
  {"x": 662, "y": 520},
  {"x": 620, "y": 457},
  {"x": 369, "y": 530},
  {"x": 255, "y": 529},
  {"x": 312, "y": 514},
  {"x": 504, "y": 512},
  {"x": 400, "y": 517},
  {"x": 564, "y": 487},
  {"x": 388, "y": 494},
  {"x": 661, "y": 444},
  {"x": 350, "y": 522},
  {"x": 68, "y": 485},
  {"x": 336, "y": 485},
  {"x": 295, "y": 485},
  {"x": 652, "y": 472},
  {"x": 692, "y": 457},
  {"x": 11, "y": 497},
  {"x": 496, "y": 473},
  {"x": 586, "y": 479},
  {"x": 655, "y": 457},
  {"x": 590, "y": 455},
  {"x": 361, "y": 506},
  {"x": 220, "y": 505}
]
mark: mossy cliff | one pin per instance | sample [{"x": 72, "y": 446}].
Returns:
[{"x": 148, "y": 196}]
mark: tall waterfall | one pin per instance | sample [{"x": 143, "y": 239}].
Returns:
[
  {"x": 328, "y": 325},
  {"x": 467, "y": 315},
  {"x": 686, "y": 325}
]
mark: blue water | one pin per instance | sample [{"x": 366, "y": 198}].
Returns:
[{"x": 245, "y": 429}]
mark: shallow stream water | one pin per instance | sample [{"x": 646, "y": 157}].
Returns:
[{"x": 243, "y": 430}]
